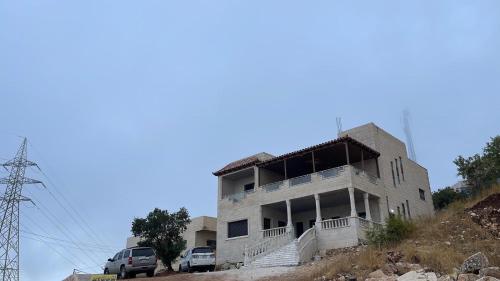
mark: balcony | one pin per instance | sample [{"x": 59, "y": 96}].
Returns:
[{"x": 349, "y": 171}]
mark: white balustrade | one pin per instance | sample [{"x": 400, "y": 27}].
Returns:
[{"x": 335, "y": 223}]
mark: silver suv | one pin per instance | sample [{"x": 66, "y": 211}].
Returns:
[
  {"x": 132, "y": 261},
  {"x": 198, "y": 258}
]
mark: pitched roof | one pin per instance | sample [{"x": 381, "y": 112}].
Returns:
[
  {"x": 320, "y": 146},
  {"x": 263, "y": 158},
  {"x": 244, "y": 163}
]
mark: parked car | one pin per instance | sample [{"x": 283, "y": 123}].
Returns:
[
  {"x": 132, "y": 261},
  {"x": 198, "y": 259}
]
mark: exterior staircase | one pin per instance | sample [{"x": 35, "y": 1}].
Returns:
[{"x": 283, "y": 250}]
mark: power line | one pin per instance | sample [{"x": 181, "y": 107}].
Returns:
[
  {"x": 88, "y": 246},
  {"x": 61, "y": 227},
  {"x": 69, "y": 252},
  {"x": 57, "y": 190}
]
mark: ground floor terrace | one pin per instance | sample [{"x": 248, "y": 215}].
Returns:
[
  {"x": 317, "y": 222},
  {"x": 327, "y": 210}
]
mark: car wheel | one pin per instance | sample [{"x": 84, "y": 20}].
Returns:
[
  {"x": 106, "y": 271},
  {"x": 189, "y": 269},
  {"x": 180, "y": 268},
  {"x": 150, "y": 273},
  {"x": 123, "y": 272}
]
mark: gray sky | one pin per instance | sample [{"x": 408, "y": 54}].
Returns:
[{"x": 131, "y": 105}]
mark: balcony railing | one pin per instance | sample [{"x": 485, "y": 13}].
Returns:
[
  {"x": 300, "y": 180},
  {"x": 323, "y": 175},
  {"x": 273, "y": 232},
  {"x": 335, "y": 223},
  {"x": 331, "y": 173},
  {"x": 272, "y": 186}
]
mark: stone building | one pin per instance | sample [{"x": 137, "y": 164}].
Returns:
[{"x": 282, "y": 210}]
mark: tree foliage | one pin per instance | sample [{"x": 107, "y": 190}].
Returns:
[
  {"x": 162, "y": 231},
  {"x": 443, "y": 197},
  {"x": 481, "y": 170}
]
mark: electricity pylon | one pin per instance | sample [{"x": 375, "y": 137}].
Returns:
[{"x": 9, "y": 212}]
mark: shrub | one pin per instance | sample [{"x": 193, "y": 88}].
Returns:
[{"x": 394, "y": 231}]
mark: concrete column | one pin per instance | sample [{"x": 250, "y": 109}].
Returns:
[
  {"x": 367, "y": 206},
  {"x": 347, "y": 153},
  {"x": 261, "y": 219},
  {"x": 318, "y": 208},
  {"x": 256, "y": 177},
  {"x": 353, "y": 202},
  {"x": 381, "y": 210},
  {"x": 288, "y": 215}
]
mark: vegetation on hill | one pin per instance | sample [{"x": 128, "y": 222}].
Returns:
[{"x": 481, "y": 170}]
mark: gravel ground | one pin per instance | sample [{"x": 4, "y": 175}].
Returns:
[{"x": 246, "y": 274}]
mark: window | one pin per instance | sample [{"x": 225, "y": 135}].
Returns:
[
  {"x": 126, "y": 253},
  {"x": 387, "y": 202},
  {"x": 281, "y": 223},
  {"x": 248, "y": 187},
  {"x": 421, "y": 193},
  {"x": 311, "y": 223},
  {"x": 237, "y": 228},
  {"x": 404, "y": 210},
  {"x": 408, "y": 208},
  {"x": 267, "y": 223},
  {"x": 399, "y": 211},
  {"x": 397, "y": 170},
  {"x": 143, "y": 252},
  {"x": 117, "y": 256},
  {"x": 212, "y": 243},
  {"x": 392, "y": 170},
  {"x": 401, "y": 166}
]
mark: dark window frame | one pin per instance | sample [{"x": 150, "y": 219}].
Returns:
[
  {"x": 421, "y": 193},
  {"x": 397, "y": 170},
  {"x": 408, "y": 207},
  {"x": 249, "y": 187},
  {"x": 265, "y": 225},
  {"x": 393, "y": 177},
  {"x": 401, "y": 166},
  {"x": 233, "y": 231}
]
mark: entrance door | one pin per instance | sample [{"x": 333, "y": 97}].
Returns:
[{"x": 299, "y": 229}]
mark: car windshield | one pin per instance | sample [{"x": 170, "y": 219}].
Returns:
[
  {"x": 144, "y": 252},
  {"x": 202, "y": 250}
]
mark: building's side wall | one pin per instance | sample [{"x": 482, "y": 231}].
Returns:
[{"x": 415, "y": 176}]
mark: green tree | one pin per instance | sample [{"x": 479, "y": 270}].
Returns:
[
  {"x": 481, "y": 170},
  {"x": 443, "y": 197},
  {"x": 162, "y": 231}
]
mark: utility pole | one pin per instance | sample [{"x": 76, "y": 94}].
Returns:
[{"x": 9, "y": 212}]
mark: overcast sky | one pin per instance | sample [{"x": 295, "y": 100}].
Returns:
[{"x": 130, "y": 105}]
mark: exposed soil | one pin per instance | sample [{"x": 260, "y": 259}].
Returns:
[{"x": 486, "y": 213}]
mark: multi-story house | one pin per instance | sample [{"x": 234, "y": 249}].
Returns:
[{"x": 282, "y": 210}]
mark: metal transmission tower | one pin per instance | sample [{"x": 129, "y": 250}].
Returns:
[
  {"x": 409, "y": 138},
  {"x": 339, "y": 126},
  {"x": 9, "y": 212}
]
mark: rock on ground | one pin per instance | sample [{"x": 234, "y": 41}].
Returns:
[
  {"x": 414, "y": 275},
  {"x": 490, "y": 271},
  {"x": 474, "y": 263},
  {"x": 467, "y": 277}
]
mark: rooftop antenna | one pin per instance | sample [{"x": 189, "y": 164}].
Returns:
[
  {"x": 339, "y": 126},
  {"x": 409, "y": 139}
]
